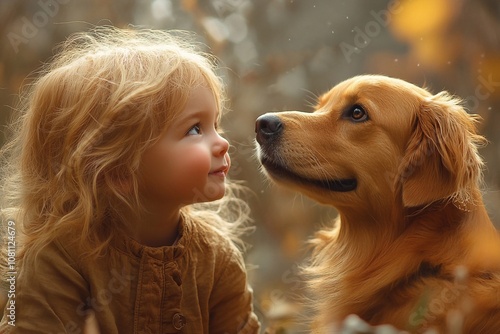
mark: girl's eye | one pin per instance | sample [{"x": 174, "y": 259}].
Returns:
[{"x": 195, "y": 130}]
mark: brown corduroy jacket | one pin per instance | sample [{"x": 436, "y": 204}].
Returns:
[{"x": 197, "y": 286}]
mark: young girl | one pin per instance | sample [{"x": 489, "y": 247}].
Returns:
[{"x": 116, "y": 149}]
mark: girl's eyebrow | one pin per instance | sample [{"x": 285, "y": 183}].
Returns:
[
  {"x": 199, "y": 114},
  {"x": 191, "y": 115}
]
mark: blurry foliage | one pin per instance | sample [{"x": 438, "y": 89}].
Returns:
[{"x": 281, "y": 54}]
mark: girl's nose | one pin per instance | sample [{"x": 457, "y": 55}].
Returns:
[{"x": 221, "y": 146}]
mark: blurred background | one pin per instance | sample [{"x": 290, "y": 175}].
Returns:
[{"x": 282, "y": 54}]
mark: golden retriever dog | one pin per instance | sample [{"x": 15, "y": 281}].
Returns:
[{"x": 413, "y": 245}]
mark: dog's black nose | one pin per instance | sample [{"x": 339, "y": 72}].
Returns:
[{"x": 267, "y": 126}]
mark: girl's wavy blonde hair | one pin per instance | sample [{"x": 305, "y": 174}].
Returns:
[{"x": 83, "y": 126}]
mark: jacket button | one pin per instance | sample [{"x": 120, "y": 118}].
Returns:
[{"x": 178, "y": 321}]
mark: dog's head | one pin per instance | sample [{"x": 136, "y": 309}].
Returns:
[{"x": 374, "y": 140}]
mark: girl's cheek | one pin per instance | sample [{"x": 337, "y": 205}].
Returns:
[{"x": 198, "y": 161}]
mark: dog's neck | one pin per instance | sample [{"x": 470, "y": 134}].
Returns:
[
  {"x": 392, "y": 220},
  {"x": 369, "y": 236}
]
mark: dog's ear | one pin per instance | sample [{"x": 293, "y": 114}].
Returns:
[{"x": 441, "y": 159}]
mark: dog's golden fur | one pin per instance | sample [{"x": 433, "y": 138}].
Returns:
[{"x": 413, "y": 245}]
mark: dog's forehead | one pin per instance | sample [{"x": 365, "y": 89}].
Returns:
[{"x": 370, "y": 87}]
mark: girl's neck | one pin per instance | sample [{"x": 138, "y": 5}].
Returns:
[{"x": 158, "y": 228}]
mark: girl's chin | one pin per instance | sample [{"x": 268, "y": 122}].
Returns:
[{"x": 212, "y": 191}]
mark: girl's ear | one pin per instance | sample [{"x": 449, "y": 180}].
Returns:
[
  {"x": 125, "y": 185},
  {"x": 441, "y": 159},
  {"x": 119, "y": 184}
]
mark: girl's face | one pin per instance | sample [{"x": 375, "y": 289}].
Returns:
[{"x": 190, "y": 162}]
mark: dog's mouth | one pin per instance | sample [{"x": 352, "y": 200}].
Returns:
[{"x": 279, "y": 171}]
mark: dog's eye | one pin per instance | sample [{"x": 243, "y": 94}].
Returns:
[{"x": 357, "y": 113}]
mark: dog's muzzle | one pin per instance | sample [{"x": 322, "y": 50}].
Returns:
[{"x": 268, "y": 129}]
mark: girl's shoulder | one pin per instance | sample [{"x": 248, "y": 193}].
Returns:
[
  {"x": 202, "y": 232},
  {"x": 61, "y": 248},
  {"x": 208, "y": 239},
  {"x": 49, "y": 259}
]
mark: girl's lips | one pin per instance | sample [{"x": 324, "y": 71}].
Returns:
[{"x": 221, "y": 171}]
